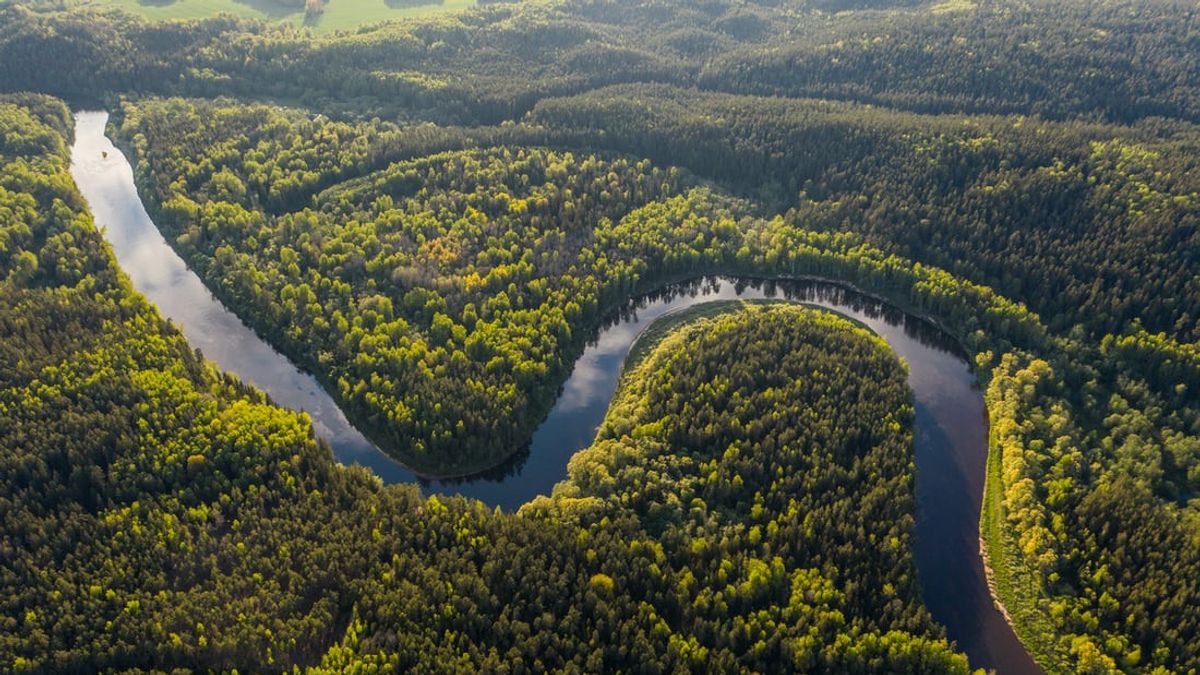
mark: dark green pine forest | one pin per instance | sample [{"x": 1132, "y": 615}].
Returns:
[{"x": 434, "y": 216}]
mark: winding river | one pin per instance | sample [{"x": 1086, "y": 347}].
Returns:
[{"x": 951, "y": 425}]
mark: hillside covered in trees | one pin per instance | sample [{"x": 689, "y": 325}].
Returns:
[
  {"x": 1117, "y": 61},
  {"x": 434, "y": 216}
]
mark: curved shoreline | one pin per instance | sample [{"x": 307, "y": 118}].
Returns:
[
  {"x": 376, "y": 434},
  {"x": 951, "y": 452},
  {"x": 991, "y": 583}
]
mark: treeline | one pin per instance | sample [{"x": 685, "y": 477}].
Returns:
[
  {"x": 442, "y": 299},
  {"x": 1081, "y": 479},
  {"x": 1119, "y": 62},
  {"x": 1096, "y": 429},
  {"x": 751, "y": 498},
  {"x": 151, "y": 507},
  {"x": 158, "y": 515},
  {"x": 1084, "y": 436},
  {"x": 738, "y": 442},
  {"x": 1106, "y": 61},
  {"x": 1090, "y": 224},
  {"x": 1003, "y": 202},
  {"x": 423, "y": 258}
]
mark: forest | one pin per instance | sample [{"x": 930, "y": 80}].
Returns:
[
  {"x": 434, "y": 216},
  {"x": 159, "y": 514}
]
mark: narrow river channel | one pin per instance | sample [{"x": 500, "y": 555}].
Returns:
[{"x": 951, "y": 424}]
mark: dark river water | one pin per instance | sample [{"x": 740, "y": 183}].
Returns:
[{"x": 951, "y": 424}]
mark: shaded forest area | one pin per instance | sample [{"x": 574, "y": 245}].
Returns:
[
  {"x": 452, "y": 204},
  {"x": 158, "y": 514},
  {"x": 1119, "y": 61}
]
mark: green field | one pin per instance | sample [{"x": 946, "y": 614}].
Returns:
[{"x": 338, "y": 15}]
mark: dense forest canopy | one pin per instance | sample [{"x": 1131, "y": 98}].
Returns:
[
  {"x": 433, "y": 216},
  {"x": 1091, "y": 224},
  {"x": 1117, "y": 61},
  {"x": 158, "y": 514}
]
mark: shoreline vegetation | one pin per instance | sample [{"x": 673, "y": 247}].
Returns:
[
  {"x": 1007, "y": 581},
  {"x": 430, "y": 216},
  {"x": 844, "y": 267},
  {"x": 226, "y": 586},
  {"x": 628, "y": 441},
  {"x": 651, "y": 336}
]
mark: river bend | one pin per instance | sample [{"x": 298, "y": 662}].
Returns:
[{"x": 951, "y": 438}]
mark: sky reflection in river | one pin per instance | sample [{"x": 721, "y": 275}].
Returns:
[{"x": 951, "y": 438}]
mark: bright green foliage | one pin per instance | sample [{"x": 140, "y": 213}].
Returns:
[
  {"x": 158, "y": 515},
  {"x": 1086, "y": 222},
  {"x": 413, "y": 268},
  {"x": 759, "y": 464},
  {"x": 153, "y": 511},
  {"x": 735, "y": 514},
  {"x": 1083, "y": 528},
  {"x": 442, "y": 298},
  {"x": 330, "y": 16},
  {"x": 1120, "y": 61},
  {"x": 1123, "y": 407}
]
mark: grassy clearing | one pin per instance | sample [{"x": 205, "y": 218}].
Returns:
[
  {"x": 338, "y": 15},
  {"x": 1015, "y": 585},
  {"x": 952, "y": 6}
]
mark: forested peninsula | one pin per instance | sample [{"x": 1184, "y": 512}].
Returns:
[{"x": 434, "y": 216}]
